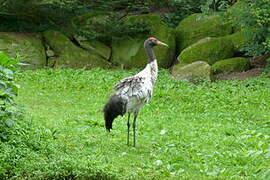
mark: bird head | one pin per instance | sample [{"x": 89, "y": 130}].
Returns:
[{"x": 153, "y": 42}]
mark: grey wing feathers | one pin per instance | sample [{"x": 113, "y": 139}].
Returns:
[
  {"x": 132, "y": 86},
  {"x": 131, "y": 82}
]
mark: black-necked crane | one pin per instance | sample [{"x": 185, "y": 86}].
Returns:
[{"x": 133, "y": 92}]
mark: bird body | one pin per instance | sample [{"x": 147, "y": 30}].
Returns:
[
  {"x": 133, "y": 92},
  {"x": 138, "y": 89}
]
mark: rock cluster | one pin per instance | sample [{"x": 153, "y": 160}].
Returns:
[{"x": 203, "y": 46}]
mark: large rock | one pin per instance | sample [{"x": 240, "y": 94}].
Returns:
[
  {"x": 193, "y": 71},
  {"x": 239, "y": 39},
  {"x": 27, "y": 45},
  {"x": 89, "y": 32},
  {"x": 237, "y": 64},
  {"x": 129, "y": 51},
  {"x": 199, "y": 26},
  {"x": 95, "y": 47},
  {"x": 210, "y": 50},
  {"x": 68, "y": 55}
]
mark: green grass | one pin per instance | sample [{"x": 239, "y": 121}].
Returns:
[{"x": 207, "y": 130}]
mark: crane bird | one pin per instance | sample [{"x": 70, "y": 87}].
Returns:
[{"x": 133, "y": 92}]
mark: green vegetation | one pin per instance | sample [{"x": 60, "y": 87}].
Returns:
[
  {"x": 74, "y": 17},
  {"x": 198, "y": 26},
  {"x": 9, "y": 112},
  {"x": 102, "y": 25},
  {"x": 25, "y": 15},
  {"x": 42, "y": 15},
  {"x": 28, "y": 45},
  {"x": 255, "y": 15},
  {"x": 212, "y": 6},
  {"x": 267, "y": 68},
  {"x": 199, "y": 130},
  {"x": 237, "y": 64},
  {"x": 70, "y": 55},
  {"x": 179, "y": 9},
  {"x": 215, "y": 130},
  {"x": 238, "y": 39},
  {"x": 209, "y": 50}
]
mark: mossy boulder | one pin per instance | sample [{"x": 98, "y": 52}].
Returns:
[
  {"x": 239, "y": 39},
  {"x": 95, "y": 47},
  {"x": 129, "y": 52},
  {"x": 237, "y": 64},
  {"x": 199, "y": 26},
  {"x": 193, "y": 71},
  {"x": 68, "y": 55},
  {"x": 27, "y": 45},
  {"x": 210, "y": 50}
]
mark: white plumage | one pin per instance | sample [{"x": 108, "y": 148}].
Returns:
[
  {"x": 133, "y": 92},
  {"x": 138, "y": 89}
]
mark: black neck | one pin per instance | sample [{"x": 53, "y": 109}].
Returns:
[{"x": 149, "y": 52}]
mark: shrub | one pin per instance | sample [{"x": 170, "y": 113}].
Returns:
[
  {"x": 211, "y": 6},
  {"x": 179, "y": 9},
  {"x": 102, "y": 25},
  {"x": 267, "y": 67},
  {"x": 8, "y": 90},
  {"x": 255, "y": 15},
  {"x": 33, "y": 15}
]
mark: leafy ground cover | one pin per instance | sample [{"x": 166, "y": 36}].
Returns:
[{"x": 217, "y": 130}]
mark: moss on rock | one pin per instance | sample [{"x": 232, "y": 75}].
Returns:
[
  {"x": 58, "y": 42},
  {"x": 129, "y": 51},
  {"x": 96, "y": 47},
  {"x": 210, "y": 50},
  {"x": 71, "y": 56},
  {"x": 199, "y": 26},
  {"x": 193, "y": 71},
  {"x": 27, "y": 45},
  {"x": 239, "y": 39},
  {"x": 237, "y": 64}
]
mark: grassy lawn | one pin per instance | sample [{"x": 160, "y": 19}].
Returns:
[{"x": 207, "y": 130}]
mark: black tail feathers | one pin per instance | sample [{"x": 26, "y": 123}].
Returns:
[{"x": 116, "y": 106}]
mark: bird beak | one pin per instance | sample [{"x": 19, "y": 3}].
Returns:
[{"x": 161, "y": 43}]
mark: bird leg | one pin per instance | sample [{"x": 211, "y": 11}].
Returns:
[
  {"x": 134, "y": 129},
  {"x": 128, "y": 126}
]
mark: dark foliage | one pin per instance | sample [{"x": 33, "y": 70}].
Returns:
[
  {"x": 255, "y": 15},
  {"x": 111, "y": 25},
  {"x": 35, "y": 16}
]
